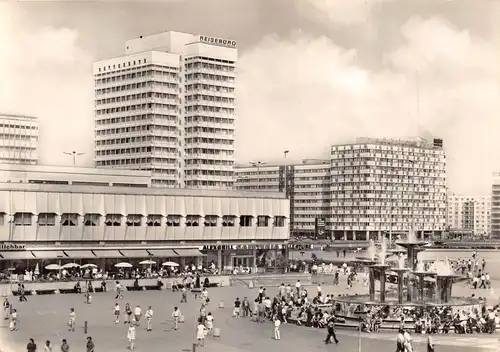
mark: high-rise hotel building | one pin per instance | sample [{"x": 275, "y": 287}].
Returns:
[
  {"x": 366, "y": 189},
  {"x": 18, "y": 139},
  {"x": 168, "y": 105}
]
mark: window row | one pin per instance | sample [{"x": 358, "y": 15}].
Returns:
[{"x": 91, "y": 219}]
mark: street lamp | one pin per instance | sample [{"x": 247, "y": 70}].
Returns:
[
  {"x": 285, "y": 152},
  {"x": 74, "y": 155},
  {"x": 257, "y": 164}
]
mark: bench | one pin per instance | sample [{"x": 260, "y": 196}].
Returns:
[
  {"x": 152, "y": 287},
  {"x": 134, "y": 288},
  {"x": 67, "y": 290},
  {"x": 46, "y": 292},
  {"x": 26, "y": 293}
]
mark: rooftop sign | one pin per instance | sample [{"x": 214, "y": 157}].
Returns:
[
  {"x": 12, "y": 247},
  {"x": 218, "y": 41}
]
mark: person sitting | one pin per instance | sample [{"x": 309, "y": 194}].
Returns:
[
  {"x": 77, "y": 287},
  {"x": 103, "y": 285},
  {"x": 136, "y": 285},
  {"x": 159, "y": 283},
  {"x": 206, "y": 283}
]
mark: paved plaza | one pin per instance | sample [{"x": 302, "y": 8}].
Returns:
[{"x": 45, "y": 318}]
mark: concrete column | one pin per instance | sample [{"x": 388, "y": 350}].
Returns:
[
  {"x": 400, "y": 286},
  {"x": 183, "y": 263},
  {"x": 353, "y": 235},
  {"x": 382, "y": 285},
  {"x": 199, "y": 261},
  {"x": 367, "y": 235},
  {"x": 219, "y": 260},
  {"x": 379, "y": 236},
  {"x": 371, "y": 286},
  {"x": 345, "y": 235},
  {"x": 254, "y": 253}
]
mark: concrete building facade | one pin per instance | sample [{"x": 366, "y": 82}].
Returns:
[
  {"x": 168, "y": 106},
  {"x": 471, "y": 213},
  {"x": 18, "y": 139}
]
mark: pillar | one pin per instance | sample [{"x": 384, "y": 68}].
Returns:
[
  {"x": 183, "y": 263},
  {"x": 409, "y": 287},
  {"x": 219, "y": 261},
  {"x": 421, "y": 288},
  {"x": 371, "y": 287},
  {"x": 379, "y": 235},
  {"x": 382, "y": 285},
  {"x": 390, "y": 238},
  {"x": 345, "y": 235},
  {"x": 199, "y": 261},
  {"x": 367, "y": 235},
  {"x": 254, "y": 253},
  {"x": 400, "y": 286}
]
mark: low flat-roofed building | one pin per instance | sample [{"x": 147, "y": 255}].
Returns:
[
  {"x": 64, "y": 175},
  {"x": 229, "y": 226}
]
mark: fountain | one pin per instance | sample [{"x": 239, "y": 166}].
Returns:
[
  {"x": 420, "y": 274},
  {"x": 379, "y": 270}
]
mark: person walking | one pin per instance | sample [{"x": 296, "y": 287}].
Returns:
[
  {"x": 331, "y": 331},
  {"x": 149, "y": 317},
  {"x": 47, "y": 347},
  {"x": 277, "y": 324},
  {"x": 31, "y": 346},
  {"x": 131, "y": 336},
  {"x": 64, "y": 346},
  {"x": 176, "y": 314},
  {"x": 431, "y": 347},
  {"x": 90, "y": 346}
]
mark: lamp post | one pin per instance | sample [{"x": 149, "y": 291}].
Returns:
[
  {"x": 257, "y": 164},
  {"x": 74, "y": 154}
]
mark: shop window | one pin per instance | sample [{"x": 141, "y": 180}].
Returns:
[
  {"x": 22, "y": 219},
  {"x": 262, "y": 221},
  {"x": 174, "y": 220},
  {"x": 193, "y": 220},
  {"x": 134, "y": 220},
  {"x": 2, "y": 219},
  {"x": 154, "y": 220},
  {"x": 46, "y": 219},
  {"x": 228, "y": 220},
  {"x": 69, "y": 219},
  {"x": 279, "y": 221},
  {"x": 91, "y": 219},
  {"x": 113, "y": 220},
  {"x": 246, "y": 220},
  {"x": 211, "y": 220}
]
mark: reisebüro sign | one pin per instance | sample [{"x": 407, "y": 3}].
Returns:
[
  {"x": 12, "y": 247},
  {"x": 218, "y": 41}
]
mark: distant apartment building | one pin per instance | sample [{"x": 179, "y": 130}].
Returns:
[
  {"x": 495, "y": 206},
  {"x": 469, "y": 214},
  {"x": 18, "y": 139},
  {"x": 367, "y": 189},
  {"x": 167, "y": 106}
]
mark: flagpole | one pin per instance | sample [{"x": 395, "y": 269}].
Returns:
[{"x": 359, "y": 337}]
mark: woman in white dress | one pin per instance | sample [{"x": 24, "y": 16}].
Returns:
[
  {"x": 200, "y": 334},
  {"x": 209, "y": 323},
  {"x": 131, "y": 336}
]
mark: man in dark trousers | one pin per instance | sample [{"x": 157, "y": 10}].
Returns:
[{"x": 331, "y": 331}]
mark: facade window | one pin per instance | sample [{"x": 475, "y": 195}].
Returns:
[
  {"x": 228, "y": 220},
  {"x": 279, "y": 221},
  {"x": 134, "y": 220},
  {"x": 23, "y": 219},
  {"x": 113, "y": 220},
  {"x": 2, "y": 219},
  {"x": 246, "y": 220},
  {"x": 211, "y": 220},
  {"x": 46, "y": 219},
  {"x": 262, "y": 221},
  {"x": 154, "y": 220},
  {"x": 69, "y": 219},
  {"x": 91, "y": 219},
  {"x": 192, "y": 220},
  {"x": 174, "y": 220}
]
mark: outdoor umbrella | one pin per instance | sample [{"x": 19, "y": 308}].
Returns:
[
  {"x": 70, "y": 265},
  {"x": 147, "y": 262},
  {"x": 123, "y": 265},
  {"x": 170, "y": 264},
  {"x": 53, "y": 267},
  {"x": 85, "y": 266}
]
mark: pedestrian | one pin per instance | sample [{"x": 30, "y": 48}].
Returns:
[
  {"x": 137, "y": 314},
  {"x": 400, "y": 340},
  {"x": 430, "y": 342},
  {"x": 31, "y": 347},
  {"x": 200, "y": 333},
  {"x": 90, "y": 347},
  {"x": 149, "y": 316},
  {"x": 119, "y": 290},
  {"x": 128, "y": 314},
  {"x": 13, "y": 320},
  {"x": 184, "y": 295},
  {"x": 47, "y": 347},
  {"x": 6, "y": 308},
  {"x": 176, "y": 315},
  {"x": 236, "y": 310},
  {"x": 64, "y": 346},
  {"x": 331, "y": 331},
  {"x": 277, "y": 323},
  {"x": 116, "y": 313},
  {"x": 131, "y": 336},
  {"x": 209, "y": 323},
  {"x": 72, "y": 320}
]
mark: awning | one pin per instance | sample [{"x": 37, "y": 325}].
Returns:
[
  {"x": 80, "y": 254},
  {"x": 49, "y": 254},
  {"x": 22, "y": 255},
  {"x": 110, "y": 253},
  {"x": 162, "y": 253},
  {"x": 135, "y": 253},
  {"x": 192, "y": 252}
]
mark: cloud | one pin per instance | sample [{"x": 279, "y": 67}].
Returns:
[
  {"x": 45, "y": 73},
  {"x": 304, "y": 93},
  {"x": 339, "y": 12}
]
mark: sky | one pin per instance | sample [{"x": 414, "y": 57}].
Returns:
[{"x": 311, "y": 72}]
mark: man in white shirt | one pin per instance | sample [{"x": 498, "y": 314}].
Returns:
[
  {"x": 277, "y": 324},
  {"x": 137, "y": 314},
  {"x": 297, "y": 287},
  {"x": 176, "y": 314},
  {"x": 149, "y": 317},
  {"x": 319, "y": 289}
]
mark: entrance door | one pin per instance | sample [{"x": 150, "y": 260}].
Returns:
[{"x": 241, "y": 261}]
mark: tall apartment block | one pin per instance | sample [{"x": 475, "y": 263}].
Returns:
[
  {"x": 469, "y": 214},
  {"x": 168, "y": 105},
  {"x": 367, "y": 189},
  {"x": 495, "y": 206},
  {"x": 18, "y": 139}
]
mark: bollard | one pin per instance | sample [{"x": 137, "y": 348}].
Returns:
[
  {"x": 182, "y": 319},
  {"x": 250, "y": 284},
  {"x": 221, "y": 304},
  {"x": 85, "y": 327},
  {"x": 10, "y": 309},
  {"x": 194, "y": 347},
  {"x": 216, "y": 332}
]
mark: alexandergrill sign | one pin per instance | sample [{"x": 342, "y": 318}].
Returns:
[
  {"x": 12, "y": 247},
  {"x": 218, "y": 41}
]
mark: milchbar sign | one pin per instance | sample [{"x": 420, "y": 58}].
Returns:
[
  {"x": 218, "y": 41},
  {"x": 12, "y": 247}
]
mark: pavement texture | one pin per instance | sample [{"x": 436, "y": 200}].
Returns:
[{"x": 45, "y": 318}]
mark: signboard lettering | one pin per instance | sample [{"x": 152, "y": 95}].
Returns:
[
  {"x": 218, "y": 41},
  {"x": 12, "y": 247}
]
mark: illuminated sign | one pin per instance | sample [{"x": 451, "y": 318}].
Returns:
[
  {"x": 12, "y": 247},
  {"x": 218, "y": 41}
]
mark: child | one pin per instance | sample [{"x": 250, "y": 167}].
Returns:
[
  {"x": 128, "y": 314},
  {"x": 13, "y": 320},
  {"x": 210, "y": 323},
  {"x": 200, "y": 333},
  {"x": 117, "y": 313},
  {"x": 72, "y": 319},
  {"x": 277, "y": 324},
  {"x": 184, "y": 295},
  {"x": 176, "y": 314},
  {"x": 149, "y": 316},
  {"x": 131, "y": 336}
]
